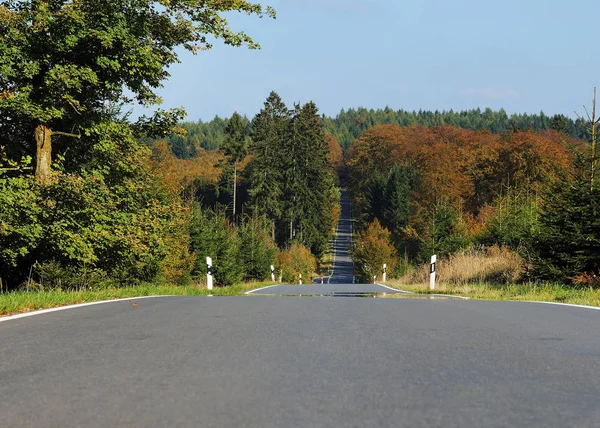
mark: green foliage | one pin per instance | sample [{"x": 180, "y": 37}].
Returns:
[
  {"x": 568, "y": 244},
  {"x": 296, "y": 261},
  {"x": 514, "y": 221},
  {"x": 265, "y": 172},
  {"x": 258, "y": 250},
  {"x": 53, "y": 275},
  {"x": 372, "y": 249},
  {"x": 388, "y": 198},
  {"x": 65, "y": 68},
  {"x": 214, "y": 236},
  {"x": 291, "y": 181},
  {"x": 309, "y": 181},
  {"x": 234, "y": 148},
  {"x": 21, "y": 227},
  {"x": 447, "y": 234},
  {"x": 69, "y": 56},
  {"x": 113, "y": 216}
]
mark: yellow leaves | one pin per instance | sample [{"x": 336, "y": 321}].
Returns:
[{"x": 7, "y": 16}]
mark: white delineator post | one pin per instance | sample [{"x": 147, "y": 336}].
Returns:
[
  {"x": 384, "y": 272},
  {"x": 209, "y": 275},
  {"x": 272, "y": 273},
  {"x": 300, "y": 279},
  {"x": 432, "y": 273},
  {"x": 374, "y": 279}
]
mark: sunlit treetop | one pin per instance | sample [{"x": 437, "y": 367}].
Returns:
[{"x": 62, "y": 57}]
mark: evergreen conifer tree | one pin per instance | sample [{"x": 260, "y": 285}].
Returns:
[
  {"x": 311, "y": 184},
  {"x": 269, "y": 129}
]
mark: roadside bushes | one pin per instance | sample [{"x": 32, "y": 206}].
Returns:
[
  {"x": 373, "y": 248},
  {"x": 295, "y": 261},
  {"x": 105, "y": 216},
  {"x": 214, "y": 236},
  {"x": 257, "y": 249},
  {"x": 80, "y": 222},
  {"x": 238, "y": 253}
]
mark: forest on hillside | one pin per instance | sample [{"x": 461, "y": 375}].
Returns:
[
  {"x": 441, "y": 190},
  {"x": 349, "y": 125},
  {"x": 90, "y": 198}
]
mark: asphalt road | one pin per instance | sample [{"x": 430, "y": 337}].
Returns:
[
  {"x": 302, "y": 362},
  {"x": 343, "y": 267}
]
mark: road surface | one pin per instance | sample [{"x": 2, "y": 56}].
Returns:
[
  {"x": 273, "y": 361},
  {"x": 302, "y": 362},
  {"x": 343, "y": 268}
]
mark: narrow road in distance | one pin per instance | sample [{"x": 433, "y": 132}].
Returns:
[
  {"x": 343, "y": 266},
  {"x": 342, "y": 278}
]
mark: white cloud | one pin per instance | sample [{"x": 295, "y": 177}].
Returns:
[{"x": 489, "y": 93}]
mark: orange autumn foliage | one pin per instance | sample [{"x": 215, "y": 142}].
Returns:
[
  {"x": 186, "y": 176},
  {"x": 463, "y": 169},
  {"x": 335, "y": 156}
]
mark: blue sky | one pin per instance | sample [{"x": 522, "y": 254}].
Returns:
[{"x": 520, "y": 55}]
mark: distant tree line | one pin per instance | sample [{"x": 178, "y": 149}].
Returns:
[{"x": 349, "y": 125}]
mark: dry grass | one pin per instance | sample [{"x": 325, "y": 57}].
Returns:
[
  {"x": 493, "y": 264},
  {"x": 491, "y": 274}
]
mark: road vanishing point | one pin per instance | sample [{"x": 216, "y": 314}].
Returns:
[{"x": 287, "y": 357}]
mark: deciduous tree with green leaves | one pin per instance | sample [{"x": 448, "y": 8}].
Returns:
[
  {"x": 68, "y": 68},
  {"x": 62, "y": 62}
]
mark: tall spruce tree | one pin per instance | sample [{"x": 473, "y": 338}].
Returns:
[
  {"x": 310, "y": 186},
  {"x": 270, "y": 127}
]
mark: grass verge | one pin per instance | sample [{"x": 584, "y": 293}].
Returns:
[
  {"x": 25, "y": 301},
  {"x": 557, "y": 293}
]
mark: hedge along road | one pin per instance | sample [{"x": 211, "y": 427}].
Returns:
[{"x": 291, "y": 361}]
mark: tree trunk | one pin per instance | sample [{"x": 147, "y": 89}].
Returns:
[
  {"x": 594, "y": 123},
  {"x": 43, "y": 154},
  {"x": 234, "y": 191}
]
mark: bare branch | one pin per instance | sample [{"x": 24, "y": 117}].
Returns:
[
  {"x": 16, "y": 168},
  {"x": 66, "y": 134}
]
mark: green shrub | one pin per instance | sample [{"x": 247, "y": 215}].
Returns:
[
  {"x": 213, "y": 236},
  {"x": 296, "y": 261},
  {"x": 257, "y": 248},
  {"x": 373, "y": 248}
]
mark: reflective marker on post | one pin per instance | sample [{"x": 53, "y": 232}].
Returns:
[
  {"x": 272, "y": 273},
  {"x": 384, "y": 272},
  {"x": 432, "y": 273},
  {"x": 209, "y": 275}
]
